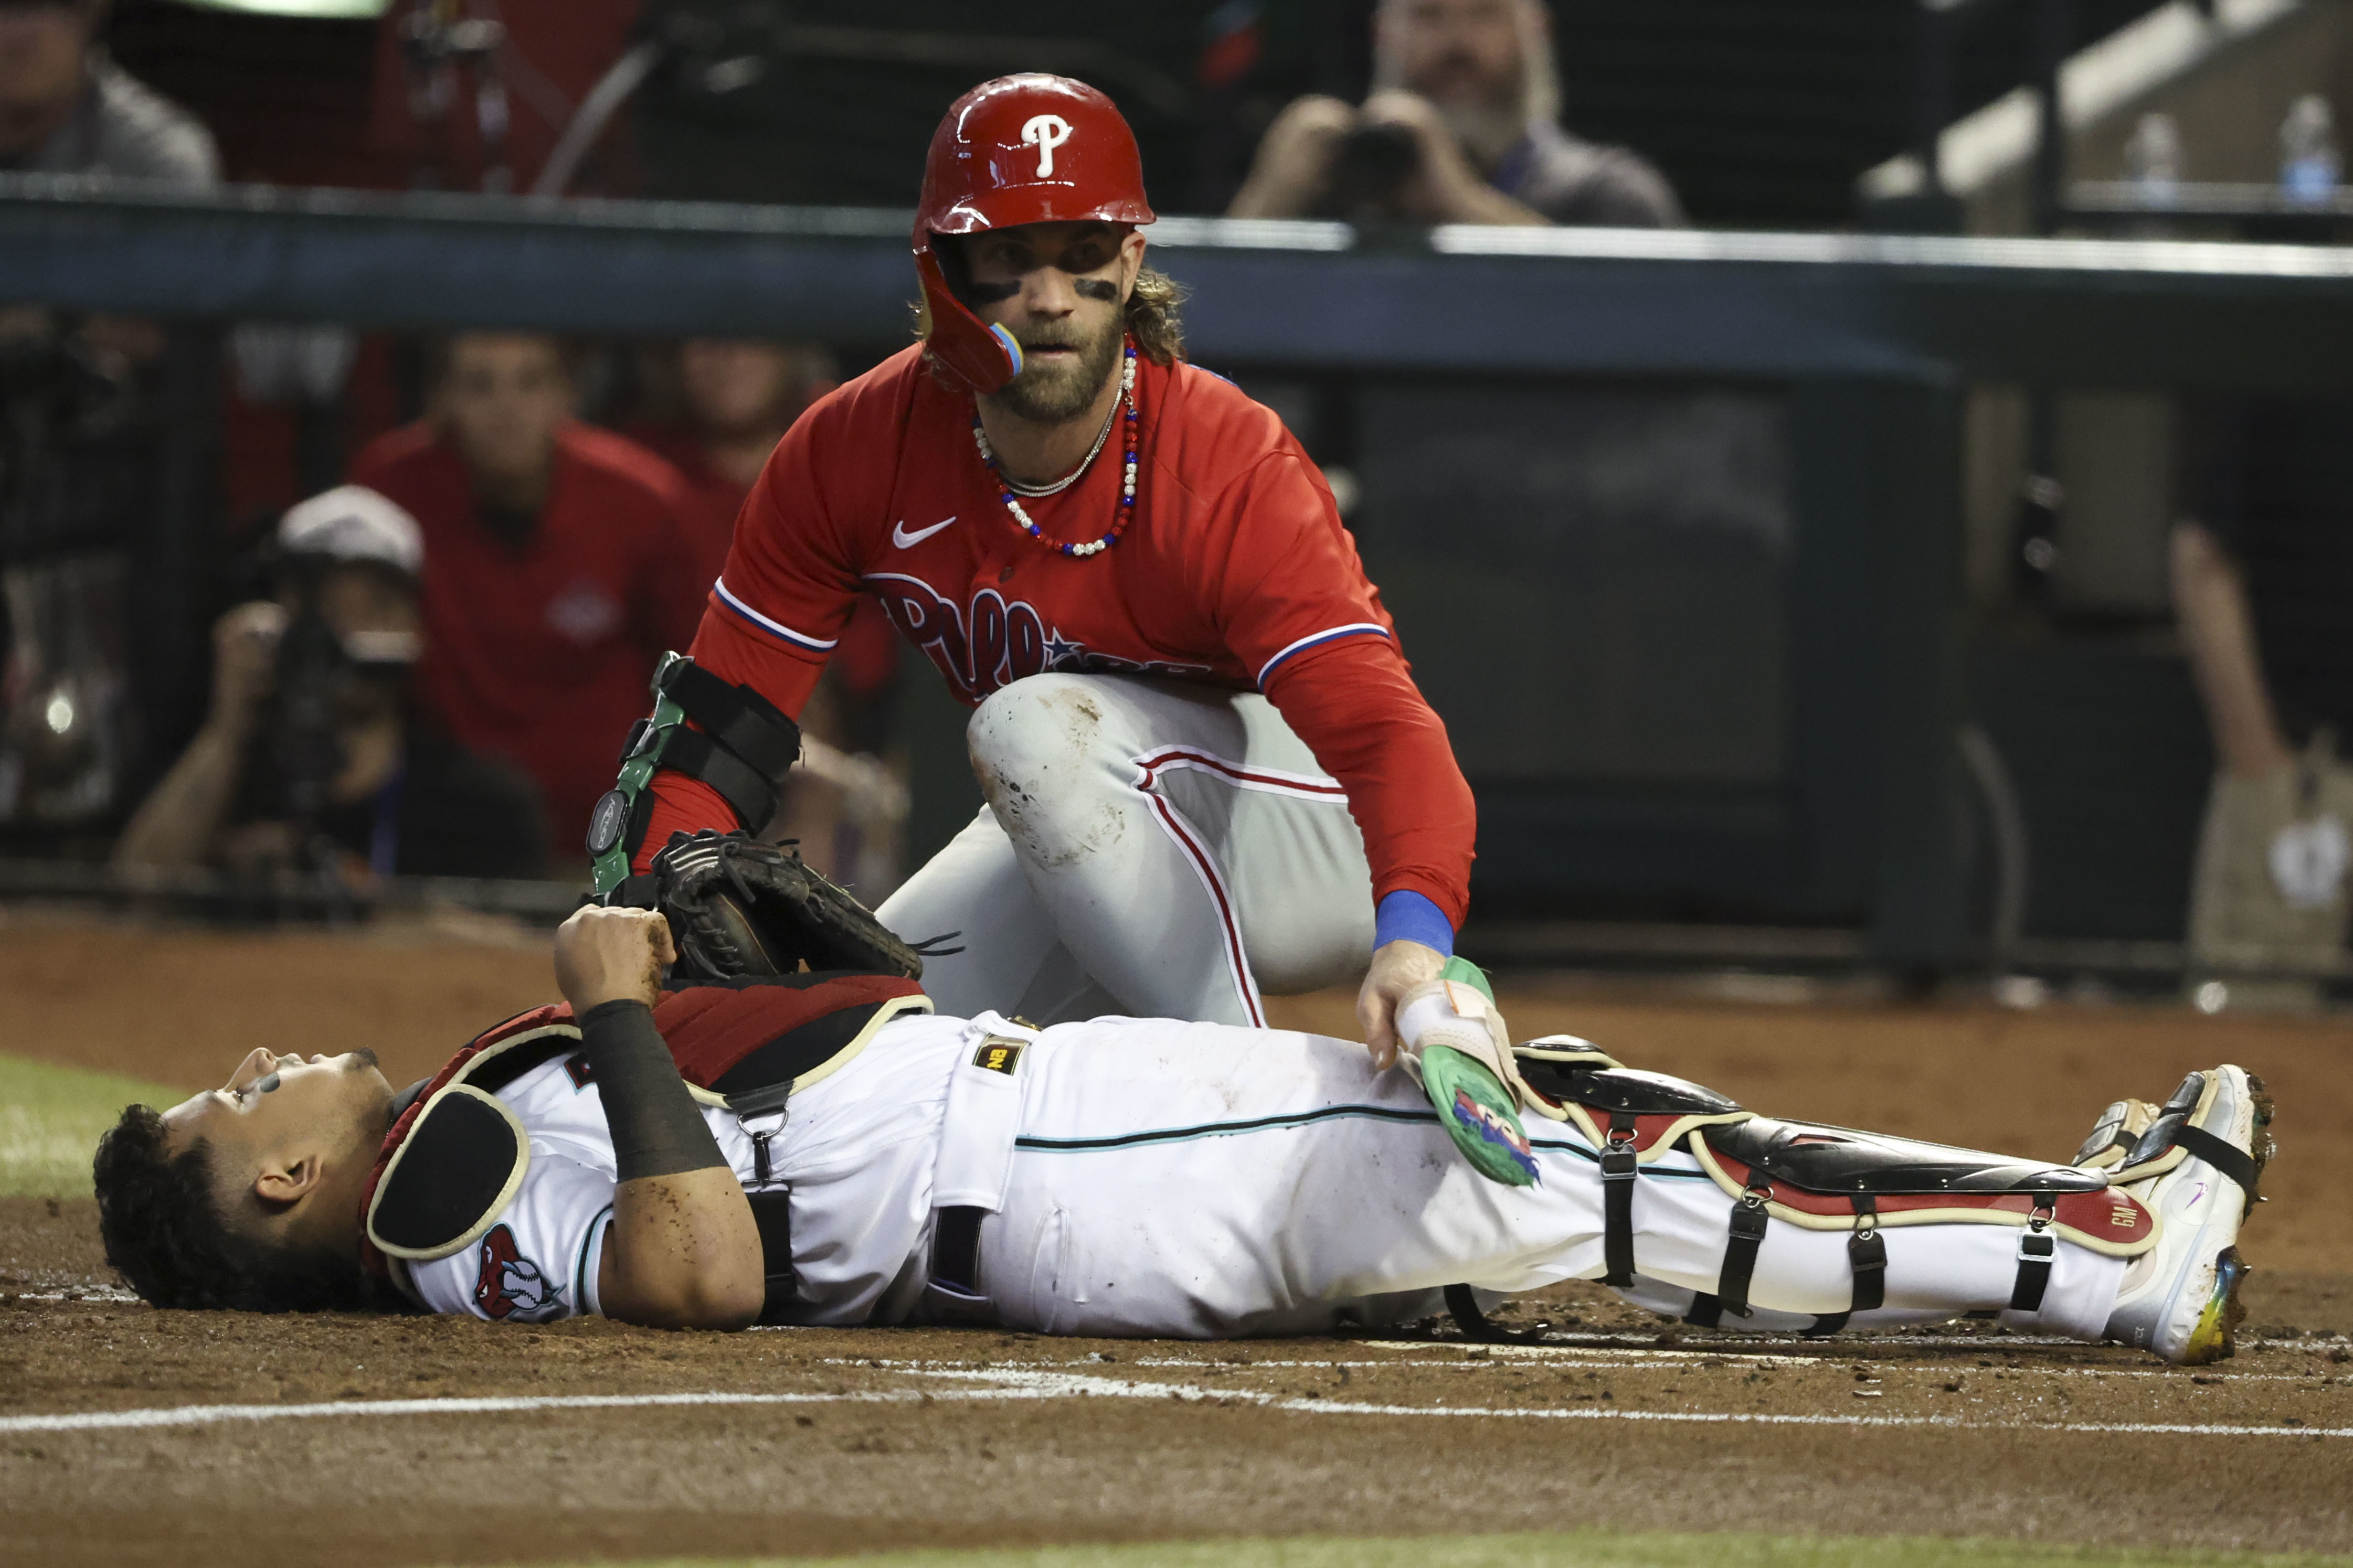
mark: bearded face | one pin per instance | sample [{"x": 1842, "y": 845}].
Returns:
[
  {"x": 1063, "y": 367},
  {"x": 1060, "y": 289}
]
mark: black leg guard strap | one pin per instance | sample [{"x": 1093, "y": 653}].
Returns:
[
  {"x": 1748, "y": 1219},
  {"x": 1463, "y": 1307},
  {"x": 2037, "y": 1250},
  {"x": 2231, "y": 1160},
  {"x": 1866, "y": 1254},
  {"x": 1705, "y": 1313},
  {"x": 1618, "y": 1166}
]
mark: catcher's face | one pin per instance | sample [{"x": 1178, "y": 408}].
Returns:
[{"x": 299, "y": 1133}]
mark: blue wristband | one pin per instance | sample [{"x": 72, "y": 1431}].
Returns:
[{"x": 1407, "y": 916}]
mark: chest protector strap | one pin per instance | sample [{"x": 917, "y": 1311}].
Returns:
[{"x": 457, "y": 1154}]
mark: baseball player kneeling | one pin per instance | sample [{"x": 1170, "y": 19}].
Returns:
[{"x": 745, "y": 1140}]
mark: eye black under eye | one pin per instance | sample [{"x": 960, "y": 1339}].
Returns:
[{"x": 264, "y": 1084}]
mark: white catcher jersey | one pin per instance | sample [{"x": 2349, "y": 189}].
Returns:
[{"x": 858, "y": 1149}]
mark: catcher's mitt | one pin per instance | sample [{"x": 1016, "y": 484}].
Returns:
[{"x": 739, "y": 908}]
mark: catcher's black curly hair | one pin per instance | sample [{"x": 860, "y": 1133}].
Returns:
[{"x": 167, "y": 1233}]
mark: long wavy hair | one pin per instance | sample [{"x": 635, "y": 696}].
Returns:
[{"x": 1155, "y": 316}]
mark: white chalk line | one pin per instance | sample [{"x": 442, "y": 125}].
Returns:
[
  {"x": 1598, "y": 1359},
  {"x": 1027, "y": 1384}
]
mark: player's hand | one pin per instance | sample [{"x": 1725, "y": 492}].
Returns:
[
  {"x": 612, "y": 955},
  {"x": 1294, "y": 158},
  {"x": 1445, "y": 187},
  {"x": 244, "y": 663},
  {"x": 1397, "y": 967}
]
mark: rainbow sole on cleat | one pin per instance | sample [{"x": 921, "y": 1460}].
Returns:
[{"x": 2214, "y": 1337}]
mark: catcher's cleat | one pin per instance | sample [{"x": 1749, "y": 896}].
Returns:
[{"x": 2201, "y": 1153}]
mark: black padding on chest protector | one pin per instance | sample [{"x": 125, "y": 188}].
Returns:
[
  {"x": 1821, "y": 1159},
  {"x": 511, "y": 1063},
  {"x": 454, "y": 1165},
  {"x": 1623, "y": 1089},
  {"x": 796, "y": 1051}
]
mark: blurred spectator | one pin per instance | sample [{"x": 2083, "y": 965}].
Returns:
[
  {"x": 738, "y": 397},
  {"x": 556, "y": 569},
  {"x": 310, "y": 756},
  {"x": 846, "y": 804},
  {"x": 67, "y": 108},
  {"x": 94, "y": 650},
  {"x": 2262, "y": 577},
  {"x": 1463, "y": 127}
]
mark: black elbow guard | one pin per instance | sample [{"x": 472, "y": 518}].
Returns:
[{"x": 742, "y": 747}]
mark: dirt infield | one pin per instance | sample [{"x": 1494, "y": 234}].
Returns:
[{"x": 124, "y": 1438}]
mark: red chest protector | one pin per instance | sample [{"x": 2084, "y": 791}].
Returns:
[{"x": 456, "y": 1154}]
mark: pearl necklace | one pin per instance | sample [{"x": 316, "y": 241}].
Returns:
[{"x": 1127, "y": 510}]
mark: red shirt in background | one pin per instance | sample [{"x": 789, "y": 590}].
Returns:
[{"x": 542, "y": 653}]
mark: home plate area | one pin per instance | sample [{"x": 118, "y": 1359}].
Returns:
[{"x": 131, "y": 1436}]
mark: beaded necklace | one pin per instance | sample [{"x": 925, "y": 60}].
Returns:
[{"x": 1127, "y": 510}]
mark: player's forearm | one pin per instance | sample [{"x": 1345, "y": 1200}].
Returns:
[
  {"x": 684, "y": 1251},
  {"x": 1359, "y": 712},
  {"x": 175, "y": 825}
]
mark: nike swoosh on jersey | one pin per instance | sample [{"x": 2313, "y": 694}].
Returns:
[{"x": 905, "y": 539}]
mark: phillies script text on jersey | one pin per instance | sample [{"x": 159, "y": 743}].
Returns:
[{"x": 1235, "y": 570}]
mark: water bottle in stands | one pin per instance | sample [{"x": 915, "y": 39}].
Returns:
[
  {"x": 2153, "y": 161},
  {"x": 2309, "y": 162}
]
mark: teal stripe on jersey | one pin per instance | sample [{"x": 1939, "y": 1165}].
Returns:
[
  {"x": 1296, "y": 1120},
  {"x": 1223, "y": 1129}
]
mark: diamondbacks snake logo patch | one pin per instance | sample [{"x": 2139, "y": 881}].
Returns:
[{"x": 510, "y": 1286}]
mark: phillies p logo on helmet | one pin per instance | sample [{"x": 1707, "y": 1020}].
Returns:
[{"x": 1046, "y": 133}]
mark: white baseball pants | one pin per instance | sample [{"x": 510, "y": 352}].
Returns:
[
  {"x": 1149, "y": 847},
  {"x": 1185, "y": 1180}
]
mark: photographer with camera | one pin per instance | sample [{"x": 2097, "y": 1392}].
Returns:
[
  {"x": 1463, "y": 127},
  {"x": 312, "y": 757}
]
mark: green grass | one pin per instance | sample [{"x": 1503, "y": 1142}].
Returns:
[
  {"x": 50, "y": 1118},
  {"x": 1581, "y": 1549}
]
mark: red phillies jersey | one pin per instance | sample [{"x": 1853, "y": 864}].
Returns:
[
  {"x": 1235, "y": 570},
  {"x": 867, "y": 658},
  {"x": 543, "y": 653}
]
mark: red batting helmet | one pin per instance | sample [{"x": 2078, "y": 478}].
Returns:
[{"x": 1022, "y": 148}]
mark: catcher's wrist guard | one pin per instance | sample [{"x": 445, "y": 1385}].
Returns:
[{"x": 742, "y": 750}]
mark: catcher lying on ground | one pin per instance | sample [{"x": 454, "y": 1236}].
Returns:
[{"x": 817, "y": 1148}]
